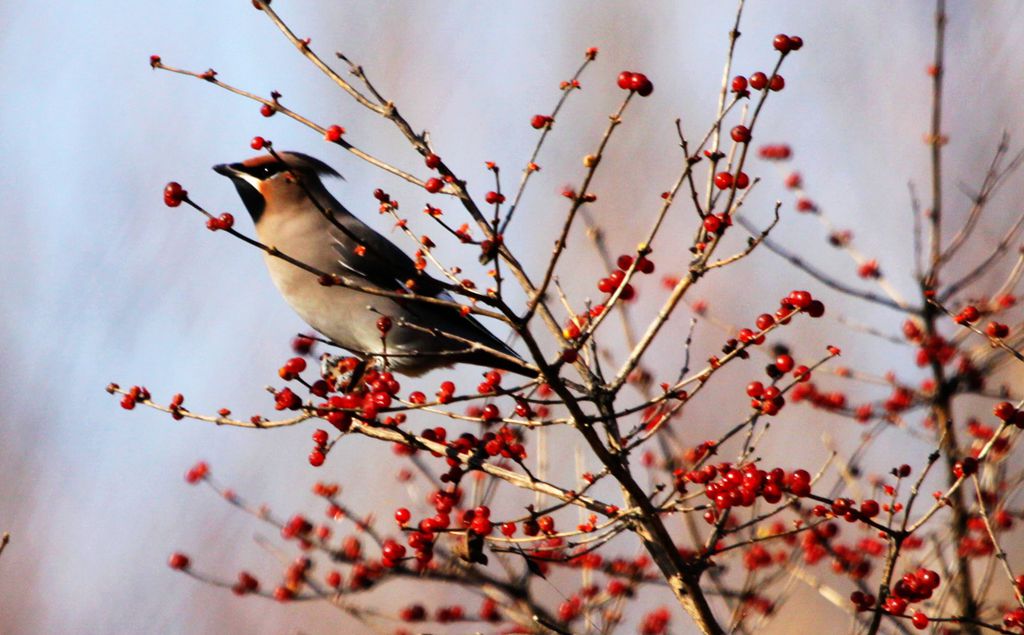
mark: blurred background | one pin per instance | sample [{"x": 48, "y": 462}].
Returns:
[{"x": 101, "y": 282}]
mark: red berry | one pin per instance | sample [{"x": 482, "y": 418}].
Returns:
[
  {"x": 257, "y": 143},
  {"x": 1004, "y": 410},
  {"x": 624, "y": 79},
  {"x": 723, "y": 180},
  {"x": 178, "y": 561},
  {"x": 869, "y": 508},
  {"x": 316, "y": 458},
  {"x": 540, "y": 121},
  {"x": 739, "y": 84},
  {"x": 295, "y": 365},
  {"x": 267, "y": 110},
  {"x": 800, "y": 299},
  {"x": 970, "y": 313},
  {"x": 965, "y": 467},
  {"x": 758, "y": 81},
  {"x": 741, "y": 134},
  {"x": 384, "y": 325},
  {"x": 784, "y": 363},
  {"x": 795, "y": 42},
  {"x": 815, "y": 309},
  {"x": 174, "y": 194},
  {"x": 997, "y": 330},
  {"x": 764, "y": 321},
  {"x": 920, "y": 620},
  {"x": 641, "y": 84},
  {"x": 781, "y": 43},
  {"x": 433, "y": 185},
  {"x": 432, "y": 161},
  {"x": 283, "y": 594},
  {"x": 494, "y": 198},
  {"x": 777, "y": 83},
  {"x": 334, "y": 133},
  {"x": 320, "y": 437},
  {"x": 402, "y": 515},
  {"x": 742, "y": 181}
]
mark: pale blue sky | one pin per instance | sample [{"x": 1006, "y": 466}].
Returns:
[{"x": 101, "y": 282}]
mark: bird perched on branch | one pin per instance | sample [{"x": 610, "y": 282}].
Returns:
[{"x": 295, "y": 214}]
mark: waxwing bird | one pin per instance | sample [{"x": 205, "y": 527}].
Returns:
[{"x": 294, "y": 212}]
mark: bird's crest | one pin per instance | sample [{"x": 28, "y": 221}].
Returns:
[{"x": 293, "y": 161}]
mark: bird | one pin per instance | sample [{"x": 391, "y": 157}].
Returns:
[{"x": 294, "y": 213}]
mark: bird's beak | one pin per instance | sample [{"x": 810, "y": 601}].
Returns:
[
  {"x": 248, "y": 188},
  {"x": 229, "y": 170}
]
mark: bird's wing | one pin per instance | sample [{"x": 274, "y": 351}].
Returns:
[{"x": 366, "y": 253}]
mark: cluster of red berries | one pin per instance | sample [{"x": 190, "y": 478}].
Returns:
[
  {"x": 912, "y": 587},
  {"x": 573, "y": 326},
  {"x": 967, "y": 466},
  {"x": 223, "y": 222},
  {"x": 636, "y": 82},
  {"x": 656, "y": 622},
  {"x": 615, "y": 279},
  {"x": 931, "y": 348},
  {"x": 847, "y": 509},
  {"x": 725, "y": 180},
  {"x": 766, "y": 399},
  {"x": 174, "y": 194},
  {"x": 785, "y": 43},
  {"x": 795, "y": 301},
  {"x": 286, "y": 399},
  {"x": 319, "y": 453},
  {"x": 729, "y": 486},
  {"x": 446, "y": 614},
  {"x": 1014, "y": 619},
  {"x": 968, "y": 315},
  {"x": 292, "y": 368},
  {"x": 197, "y": 472},
  {"x": 135, "y": 394},
  {"x": 375, "y": 393},
  {"x": 1005, "y": 411},
  {"x": 831, "y": 401},
  {"x": 246, "y": 584},
  {"x": 716, "y": 224},
  {"x": 757, "y": 81},
  {"x": 997, "y": 330},
  {"x": 478, "y": 520}
]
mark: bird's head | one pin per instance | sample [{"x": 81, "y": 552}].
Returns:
[{"x": 265, "y": 181}]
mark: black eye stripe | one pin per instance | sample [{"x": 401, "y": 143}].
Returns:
[{"x": 263, "y": 171}]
